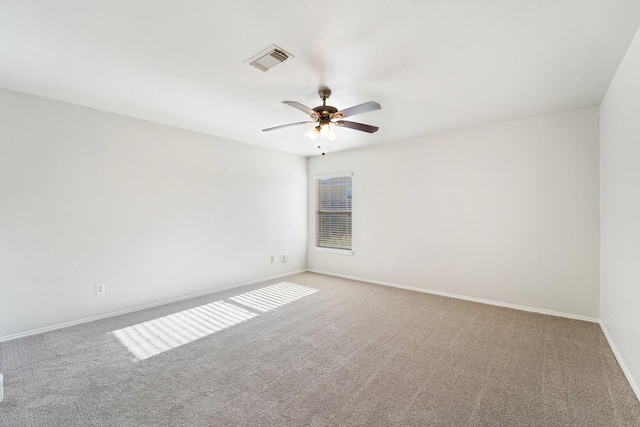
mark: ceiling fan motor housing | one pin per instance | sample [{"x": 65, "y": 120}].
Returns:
[{"x": 325, "y": 111}]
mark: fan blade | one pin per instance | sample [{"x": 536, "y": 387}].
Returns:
[
  {"x": 300, "y": 107},
  {"x": 286, "y": 126},
  {"x": 358, "y": 109},
  {"x": 357, "y": 126}
]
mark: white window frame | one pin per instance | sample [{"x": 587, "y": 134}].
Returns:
[{"x": 324, "y": 249}]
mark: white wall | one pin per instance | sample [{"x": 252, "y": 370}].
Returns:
[
  {"x": 506, "y": 213},
  {"x": 153, "y": 211},
  {"x": 620, "y": 212}
]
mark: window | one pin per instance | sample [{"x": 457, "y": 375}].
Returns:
[{"x": 333, "y": 217}]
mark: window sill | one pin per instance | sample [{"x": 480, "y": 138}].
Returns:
[{"x": 335, "y": 251}]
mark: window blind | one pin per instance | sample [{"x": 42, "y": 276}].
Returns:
[{"x": 333, "y": 219}]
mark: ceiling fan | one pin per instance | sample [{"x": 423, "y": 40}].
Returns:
[{"x": 326, "y": 117}]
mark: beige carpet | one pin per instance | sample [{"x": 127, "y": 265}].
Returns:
[{"x": 312, "y": 350}]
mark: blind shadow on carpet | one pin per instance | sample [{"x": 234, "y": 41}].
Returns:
[{"x": 164, "y": 333}]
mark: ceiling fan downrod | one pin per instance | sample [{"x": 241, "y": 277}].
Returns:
[{"x": 324, "y": 95}]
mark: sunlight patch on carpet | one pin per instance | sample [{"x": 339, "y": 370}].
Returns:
[
  {"x": 156, "y": 336},
  {"x": 274, "y": 296}
]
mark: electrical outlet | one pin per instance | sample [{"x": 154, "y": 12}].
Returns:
[
  {"x": 101, "y": 288},
  {"x": 392, "y": 265}
]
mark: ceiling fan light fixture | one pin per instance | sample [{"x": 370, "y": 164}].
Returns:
[
  {"x": 313, "y": 133},
  {"x": 325, "y": 129}
]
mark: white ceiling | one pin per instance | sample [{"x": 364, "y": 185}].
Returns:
[{"x": 433, "y": 65}]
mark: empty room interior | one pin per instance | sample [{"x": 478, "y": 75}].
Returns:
[{"x": 297, "y": 213}]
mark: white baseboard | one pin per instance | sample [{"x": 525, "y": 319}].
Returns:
[
  {"x": 463, "y": 297},
  {"x": 142, "y": 307},
  {"x": 623, "y": 366}
]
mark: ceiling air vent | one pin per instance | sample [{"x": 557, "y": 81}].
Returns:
[{"x": 269, "y": 58}]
